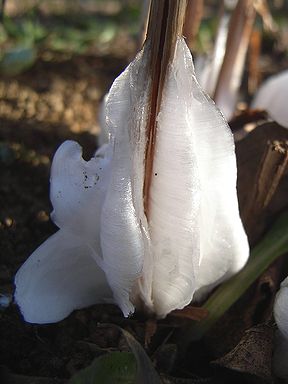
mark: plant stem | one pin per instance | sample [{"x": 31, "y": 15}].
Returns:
[
  {"x": 228, "y": 82},
  {"x": 165, "y": 25},
  {"x": 193, "y": 17},
  {"x": 272, "y": 167}
]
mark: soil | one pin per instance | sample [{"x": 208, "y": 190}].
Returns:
[
  {"x": 39, "y": 109},
  {"x": 58, "y": 100}
]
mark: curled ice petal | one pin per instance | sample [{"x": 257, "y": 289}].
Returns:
[
  {"x": 174, "y": 206},
  {"x": 223, "y": 243},
  {"x": 59, "y": 277},
  {"x": 78, "y": 188},
  {"x": 122, "y": 240},
  {"x": 193, "y": 192}
]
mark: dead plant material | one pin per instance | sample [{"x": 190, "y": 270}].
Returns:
[
  {"x": 145, "y": 8},
  {"x": 165, "y": 25},
  {"x": 254, "y": 74},
  {"x": 271, "y": 169},
  {"x": 249, "y": 154},
  {"x": 262, "y": 7},
  {"x": 190, "y": 313},
  {"x": 193, "y": 17},
  {"x": 263, "y": 295},
  {"x": 253, "y": 355},
  {"x": 230, "y": 75},
  {"x": 150, "y": 330}
]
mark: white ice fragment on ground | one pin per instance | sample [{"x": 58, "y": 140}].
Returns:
[
  {"x": 272, "y": 96},
  {"x": 106, "y": 247},
  {"x": 280, "y": 356}
]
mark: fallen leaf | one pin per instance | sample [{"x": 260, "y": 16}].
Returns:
[{"x": 253, "y": 354}]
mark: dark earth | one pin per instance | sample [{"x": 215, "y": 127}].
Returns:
[{"x": 58, "y": 99}]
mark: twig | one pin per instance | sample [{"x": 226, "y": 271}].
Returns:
[
  {"x": 143, "y": 23},
  {"x": 272, "y": 167},
  {"x": 165, "y": 25}
]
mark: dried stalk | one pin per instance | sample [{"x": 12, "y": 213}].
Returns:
[
  {"x": 143, "y": 23},
  {"x": 229, "y": 78},
  {"x": 165, "y": 25},
  {"x": 193, "y": 17},
  {"x": 272, "y": 167},
  {"x": 254, "y": 56},
  {"x": 262, "y": 7}
]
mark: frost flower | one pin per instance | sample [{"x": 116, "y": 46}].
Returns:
[{"x": 107, "y": 247}]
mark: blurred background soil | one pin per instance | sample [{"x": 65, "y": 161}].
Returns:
[
  {"x": 56, "y": 99},
  {"x": 73, "y": 51}
]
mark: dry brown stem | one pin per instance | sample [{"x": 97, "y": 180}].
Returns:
[
  {"x": 165, "y": 25},
  {"x": 143, "y": 23},
  {"x": 272, "y": 167},
  {"x": 254, "y": 57},
  {"x": 193, "y": 17},
  {"x": 239, "y": 32}
]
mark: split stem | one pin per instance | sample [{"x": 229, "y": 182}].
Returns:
[{"x": 165, "y": 25}]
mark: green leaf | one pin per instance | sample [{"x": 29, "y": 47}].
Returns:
[
  {"x": 273, "y": 245},
  {"x": 115, "y": 367},
  {"x": 146, "y": 372},
  {"x": 17, "y": 60},
  {"x": 120, "y": 367}
]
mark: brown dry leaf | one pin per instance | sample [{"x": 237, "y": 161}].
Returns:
[
  {"x": 253, "y": 354},
  {"x": 263, "y": 295},
  {"x": 190, "y": 313}
]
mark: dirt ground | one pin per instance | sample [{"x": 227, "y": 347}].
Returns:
[
  {"x": 39, "y": 109},
  {"x": 58, "y": 99}
]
